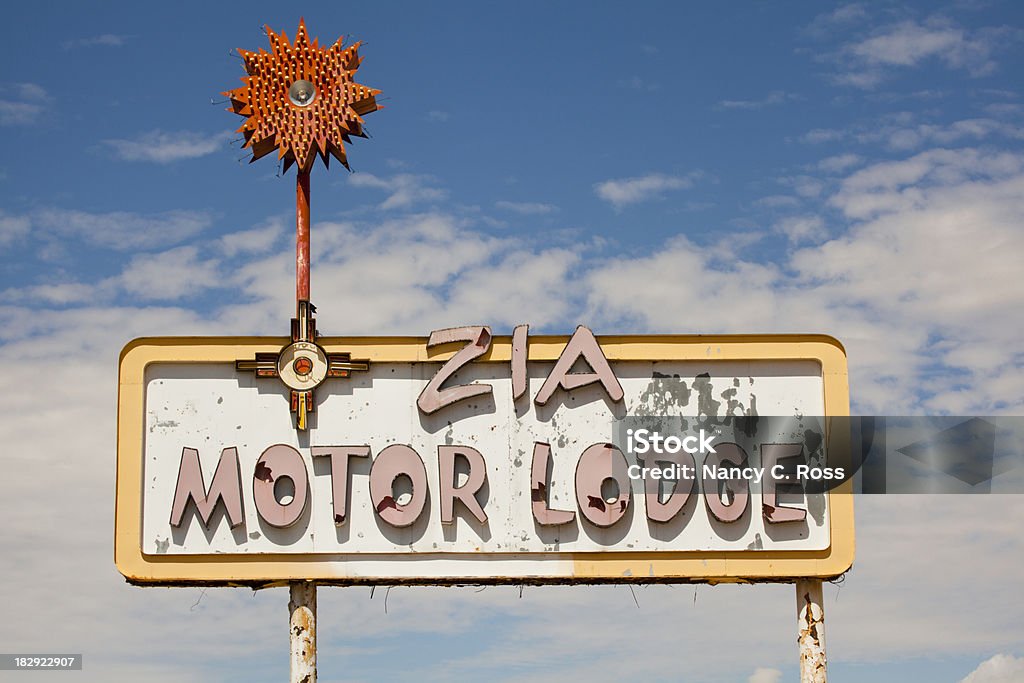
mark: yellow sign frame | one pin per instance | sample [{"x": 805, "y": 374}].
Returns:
[{"x": 626, "y": 567}]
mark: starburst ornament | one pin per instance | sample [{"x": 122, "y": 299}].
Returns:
[{"x": 301, "y": 100}]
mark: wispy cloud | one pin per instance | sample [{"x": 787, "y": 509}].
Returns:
[
  {"x": 839, "y": 162},
  {"x": 902, "y": 132},
  {"x": 103, "y": 40},
  {"x": 866, "y": 62},
  {"x": 22, "y": 104},
  {"x": 998, "y": 669},
  {"x": 255, "y": 241},
  {"x": 169, "y": 275},
  {"x": 623, "y": 191},
  {"x": 121, "y": 230},
  {"x": 438, "y": 116},
  {"x": 802, "y": 228},
  {"x": 164, "y": 147},
  {"x": 526, "y": 208},
  {"x": 405, "y": 189},
  {"x": 773, "y": 98},
  {"x": 13, "y": 227},
  {"x": 763, "y": 675},
  {"x": 840, "y": 18},
  {"x": 637, "y": 83}
]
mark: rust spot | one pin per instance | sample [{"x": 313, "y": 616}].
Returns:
[
  {"x": 385, "y": 503},
  {"x": 339, "y": 519},
  {"x": 263, "y": 473},
  {"x": 539, "y": 493},
  {"x": 622, "y": 506},
  {"x": 595, "y": 502}
]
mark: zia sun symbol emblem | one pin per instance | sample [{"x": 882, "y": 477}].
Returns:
[{"x": 301, "y": 99}]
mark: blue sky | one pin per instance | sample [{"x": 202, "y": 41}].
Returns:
[{"x": 852, "y": 169}]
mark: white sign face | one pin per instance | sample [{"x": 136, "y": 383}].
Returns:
[{"x": 488, "y": 488}]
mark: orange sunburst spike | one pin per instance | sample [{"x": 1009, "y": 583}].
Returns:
[{"x": 301, "y": 100}]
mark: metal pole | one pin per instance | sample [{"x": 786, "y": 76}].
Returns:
[
  {"x": 302, "y": 236},
  {"x": 811, "y": 638},
  {"x": 302, "y": 631},
  {"x": 302, "y": 597}
]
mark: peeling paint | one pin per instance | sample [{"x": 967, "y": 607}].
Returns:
[
  {"x": 811, "y": 638},
  {"x": 707, "y": 406}
]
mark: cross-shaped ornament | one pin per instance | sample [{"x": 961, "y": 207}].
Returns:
[{"x": 303, "y": 365}]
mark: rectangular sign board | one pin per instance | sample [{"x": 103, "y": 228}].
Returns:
[{"x": 216, "y": 486}]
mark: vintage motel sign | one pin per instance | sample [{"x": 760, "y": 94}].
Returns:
[{"x": 463, "y": 458}]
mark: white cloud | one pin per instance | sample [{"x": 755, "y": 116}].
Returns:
[
  {"x": 255, "y": 241},
  {"x": 910, "y": 43},
  {"x": 59, "y": 294},
  {"x": 819, "y": 135},
  {"x": 102, "y": 40},
  {"x": 169, "y": 275},
  {"x": 772, "y": 98},
  {"x": 999, "y": 669},
  {"x": 405, "y": 189},
  {"x": 23, "y": 104},
  {"x": 526, "y": 208},
  {"x": 32, "y": 92},
  {"x": 164, "y": 147},
  {"x": 804, "y": 185},
  {"x": 12, "y": 227},
  {"x": 839, "y": 163},
  {"x": 841, "y": 17},
  {"x": 902, "y": 131},
  {"x": 637, "y": 83},
  {"x": 121, "y": 230},
  {"x": 899, "y": 138},
  {"x": 777, "y": 201},
  {"x": 802, "y": 228},
  {"x": 624, "y": 191},
  {"x": 762, "y": 675}
]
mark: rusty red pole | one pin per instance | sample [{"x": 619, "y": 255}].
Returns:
[
  {"x": 302, "y": 602},
  {"x": 302, "y": 236}
]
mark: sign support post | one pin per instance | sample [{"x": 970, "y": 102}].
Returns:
[
  {"x": 302, "y": 631},
  {"x": 302, "y": 598},
  {"x": 811, "y": 634}
]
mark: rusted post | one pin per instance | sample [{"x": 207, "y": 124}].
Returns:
[
  {"x": 302, "y": 236},
  {"x": 811, "y": 638},
  {"x": 302, "y": 631}
]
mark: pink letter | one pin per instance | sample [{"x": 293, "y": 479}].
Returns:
[
  {"x": 466, "y": 493},
  {"x": 226, "y": 486},
  {"x": 736, "y": 456},
  {"x": 278, "y": 462},
  {"x": 544, "y": 515},
  {"x": 339, "y": 474},
  {"x": 392, "y": 462},
  {"x": 519, "y": 377},
  {"x": 771, "y": 454},
  {"x": 433, "y": 397},
  {"x": 583, "y": 345},
  {"x": 599, "y": 463}
]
